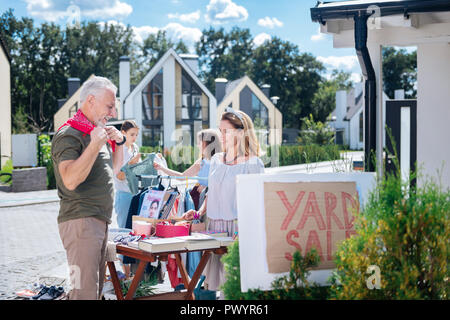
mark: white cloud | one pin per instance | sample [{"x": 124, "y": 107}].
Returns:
[
  {"x": 344, "y": 62},
  {"x": 54, "y": 10},
  {"x": 176, "y": 31},
  {"x": 186, "y": 17},
  {"x": 261, "y": 38},
  {"x": 141, "y": 33},
  {"x": 319, "y": 36},
  {"x": 223, "y": 11},
  {"x": 270, "y": 23}
]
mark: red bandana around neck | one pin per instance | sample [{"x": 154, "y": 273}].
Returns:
[{"x": 81, "y": 123}]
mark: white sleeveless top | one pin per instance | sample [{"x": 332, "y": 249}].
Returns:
[{"x": 222, "y": 186}]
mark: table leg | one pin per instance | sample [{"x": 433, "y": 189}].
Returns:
[
  {"x": 183, "y": 272},
  {"x": 198, "y": 272},
  {"x": 115, "y": 280},
  {"x": 137, "y": 278}
]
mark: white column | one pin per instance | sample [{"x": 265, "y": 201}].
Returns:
[
  {"x": 405, "y": 142},
  {"x": 433, "y": 113},
  {"x": 169, "y": 101}
]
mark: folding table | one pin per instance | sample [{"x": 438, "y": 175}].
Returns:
[{"x": 145, "y": 257}]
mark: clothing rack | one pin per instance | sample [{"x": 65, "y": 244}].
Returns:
[{"x": 140, "y": 176}]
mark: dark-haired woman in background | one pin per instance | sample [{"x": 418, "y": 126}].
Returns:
[{"x": 131, "y": 155}]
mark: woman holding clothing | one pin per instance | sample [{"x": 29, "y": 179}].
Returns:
[
  {"x": 240, "y": 156},
  {"x": 131, "y": 155},
  {"x": 208, "y": 142}
]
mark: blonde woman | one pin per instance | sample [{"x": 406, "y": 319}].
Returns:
[{"x": 240, "y": 156}]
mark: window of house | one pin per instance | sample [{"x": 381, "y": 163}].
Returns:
[
  {"x": 73, "y": 109},
  {"x": 260, "y": 119},
  {"x": 193, "y": 113},
  {"x": 152, "y": 98},
  {"x": 361, "y": 127},
  {"x": 260, "y": 114},
  {"x": 152, "y": 135},
  {"x": 194, "y": 103},
  {"x": 152, "y": 111}
]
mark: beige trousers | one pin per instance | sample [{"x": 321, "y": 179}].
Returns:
[{"x": 85, "y": 242}]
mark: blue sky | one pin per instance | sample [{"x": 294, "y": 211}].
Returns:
[{"x": 185, "y": 19}]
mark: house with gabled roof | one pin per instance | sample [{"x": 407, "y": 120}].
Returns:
[
  {"x": 169, "y": 97},
  {"x": 244, "y": 95}
]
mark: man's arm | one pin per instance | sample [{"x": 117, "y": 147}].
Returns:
[
  {"x": 116, "y": 135},
  {"x": 74, "y": 172}
]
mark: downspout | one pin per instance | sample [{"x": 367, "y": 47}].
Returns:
[{"x": 370, "y": 98}]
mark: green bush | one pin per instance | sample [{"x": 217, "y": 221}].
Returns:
[
  {"x": 7, "y": 168},
  {"x": 45, "y": 159},
  {"x": 405, "y": 232},
  {"x": 315, "y": 132},
  {"x": 301, "y": 154},
  {"x": 293, "y": 286}
]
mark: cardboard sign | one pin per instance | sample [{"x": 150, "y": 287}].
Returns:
[{"x": 304, "y": 215}]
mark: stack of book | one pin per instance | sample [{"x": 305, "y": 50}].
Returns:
[
  {"x": 156, "y": 245},
  {"x": 195, "y": 241}
]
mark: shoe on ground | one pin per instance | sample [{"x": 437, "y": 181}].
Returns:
[
  {"x": 43, "y": 290},
  {"x": 52, "y": 293}
]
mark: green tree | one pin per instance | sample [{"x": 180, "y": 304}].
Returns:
[
  {"x": 399, "y": 71},
  {"x": 43, "y": 57},
  {"x": 224, "y": 55},
  {"x": 150, "y": 51},
  {"x": 292, "y": 76},
  {"x": 324, "y": 100},
  {"x": 96, "y": 49},
  {"x": 36, "y": 70}
]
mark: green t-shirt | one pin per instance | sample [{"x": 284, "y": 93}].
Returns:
[{"x": 93, "y": 197}]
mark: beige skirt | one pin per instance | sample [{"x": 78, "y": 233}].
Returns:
[{"x": 214, "y": 270}]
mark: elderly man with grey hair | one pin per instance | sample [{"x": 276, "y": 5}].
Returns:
[{"x": 86, "y": 153}]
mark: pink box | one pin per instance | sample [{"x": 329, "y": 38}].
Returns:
[
  {"x": 168, "y": 231},
  {"x": 142, "y": 227}
]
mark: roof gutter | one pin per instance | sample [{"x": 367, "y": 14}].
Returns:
[
  {"x": 370, "y": 98},
  {"x": 321, "y": 12}
]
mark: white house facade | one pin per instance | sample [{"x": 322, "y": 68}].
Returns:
[{"x": 348, "y": 117}]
